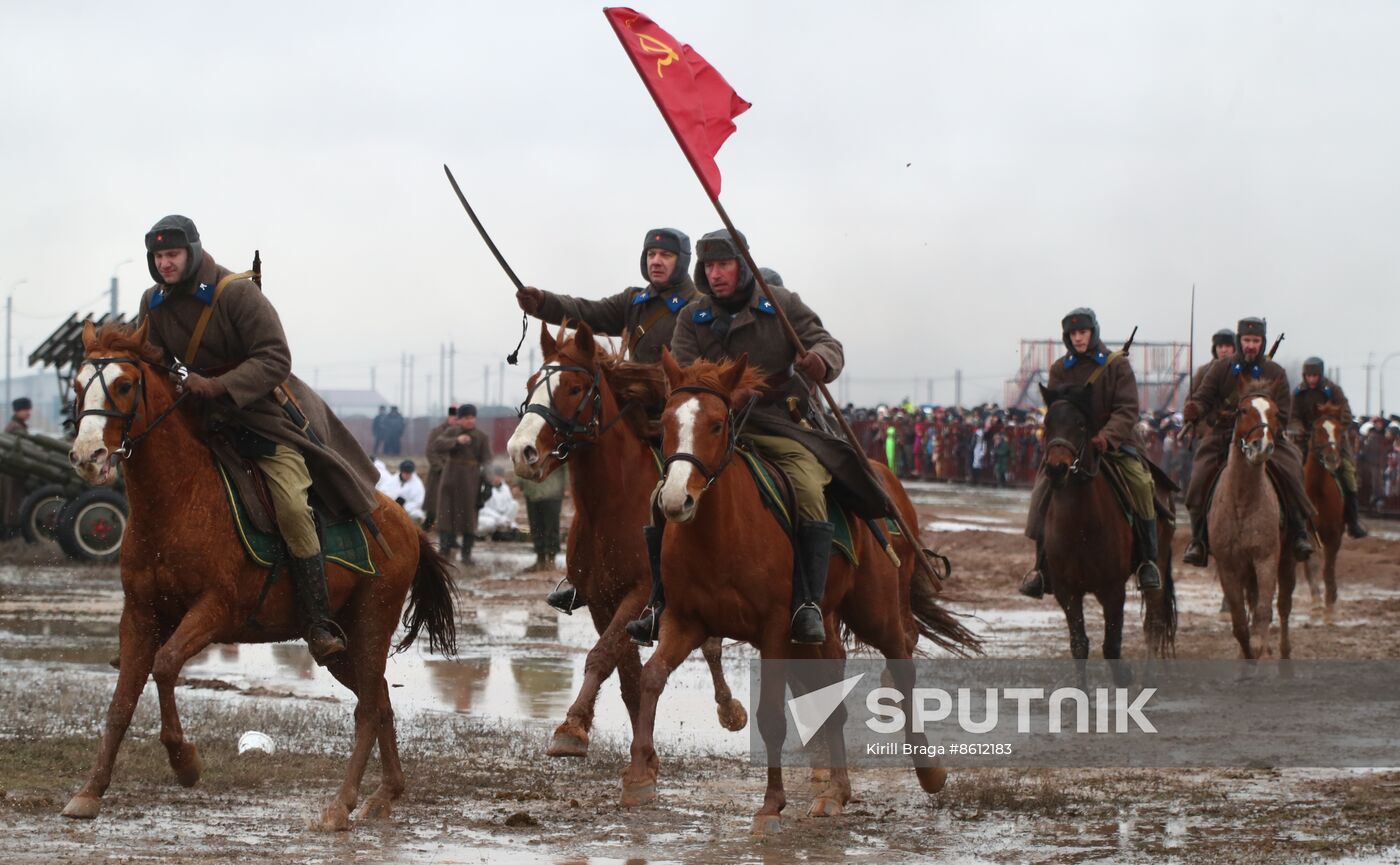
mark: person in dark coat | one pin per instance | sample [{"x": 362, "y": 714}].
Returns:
[
  {"x": 234, "y": 370},
  {"x": 11, "y": 490},
  {"x": 393, "y": 432},
  {"x": 1316, "y": 391},
  {"x": 464, "y": 451},
  {"x": 1216, "y": 398},
  {"x": 645, "y": 316},
  {"x": 732, "y": 317},
  {"x": 1114, "y": 399},
  {"x": 377, "y": 428},
  {"x": 435, "y": 462}
]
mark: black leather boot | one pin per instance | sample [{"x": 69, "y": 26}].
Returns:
[
  {"x": 809, "y": 582},
  {"x": 1035, "y": 584},
  {"x": 1149, "y": 577},
  {"x": 323, "y": 636},
  {"x": 467, "y": 541},
  {"x": 645, "y": 629},
  {"x": 566, "y": 597},
  {"x": 447, "y": 542},
  {"x": 1302, "y": 547},
  {"x": 1354, "y": 527},
  {"x": 1196, "y": 551}
]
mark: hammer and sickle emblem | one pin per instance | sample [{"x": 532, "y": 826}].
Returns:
[{"x": 652, "y": 45}]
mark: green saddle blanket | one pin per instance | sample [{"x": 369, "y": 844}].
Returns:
[
  {"x": 771, "y": 488},
  {"x": 343, "y": 543}
]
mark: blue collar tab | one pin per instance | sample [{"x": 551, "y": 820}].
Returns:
[
  {"x": 703, "y": 316},
  {"x": 642, "y": 297}
]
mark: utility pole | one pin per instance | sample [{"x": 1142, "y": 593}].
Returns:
[
  {"x": 1370, "y": 365},
  {"x": 442, "y": 375},
  {"x": 372, "y": 385},
  {"x": 428, "y": 409},
  {"x": 930, "y": 391},
  {"x": 957, "y": 388},
  {"x": 403, "y": 370},
  {"x": 452, "y": 371},
  {"x": 486, "y": 387},
  {"x": 113, "y": 289},
  {"x": 9, "y": 349},
  {"x": 409, "y": 413},
  {"x": 501, "y": 385}
]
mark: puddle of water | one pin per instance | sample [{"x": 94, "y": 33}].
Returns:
[{"x": 961, "y": 526}]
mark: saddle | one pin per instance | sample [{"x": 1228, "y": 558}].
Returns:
[
  {"x": 343, "y": 542},
  {"x": 1162, "y": 489}
]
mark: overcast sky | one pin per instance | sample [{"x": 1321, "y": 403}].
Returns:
[{"x": 937, "y": 179}]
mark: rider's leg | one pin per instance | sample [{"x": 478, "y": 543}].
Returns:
[
  {"x": 289, "y": 484},
  {"x": 645, "y": 629},
  {"x": 1346, "y": 475},
  {"x": 1204, "y": 468},
  {"x": 1037, "y": 581},
  {"x": 1139, "y": 481},
  {"x": 1288, "y": 473}
]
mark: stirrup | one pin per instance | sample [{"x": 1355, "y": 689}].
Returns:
[
  {"x": 335, "y": 643},
  {"x": 1155, "y": 583},
  {"x": 645, "y": 630},
  {"x": 1356, "y": 530},
  {"x": 565, "y": 600},
  {"x": 807, "y": 639},
  {"x": 1195, "y": 554},
  {"x": 1033, "y": 588}
]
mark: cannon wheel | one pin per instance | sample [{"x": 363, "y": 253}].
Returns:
[
  {"x": 91, "y": 526},
  {"x": 39, "y": 513}
]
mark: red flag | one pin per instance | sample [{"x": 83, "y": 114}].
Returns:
[{"x": 698, "y": 104}]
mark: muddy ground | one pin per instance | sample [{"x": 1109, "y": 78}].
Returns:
[{"x": 473, "y": 731}]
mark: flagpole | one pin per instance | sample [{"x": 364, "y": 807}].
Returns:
[{"x": 890, "y": 509}]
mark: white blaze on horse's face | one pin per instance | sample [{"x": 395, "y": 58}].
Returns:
[
  {"x": 1260, "y": 449},
  {"x": 1331, "y": 455},
  {"x": 90, "y": 455},
  {"x": 677, "y": 503},
  {"x": 524, "y": 447}
]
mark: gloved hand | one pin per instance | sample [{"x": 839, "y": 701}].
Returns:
[
  {"x": 1191, "y": 412},
  {"x": 810, "y": 364},
  {"x": 530, "y": 299},
  {"x": 1100, "y": 442},
  {"x": 204, "y": 388}
]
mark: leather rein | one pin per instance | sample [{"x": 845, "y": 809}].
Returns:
[
  {"x": 572, "y": 431},
  {"x": 734, "y": 422},
  {"x": 128, "y": 418}
]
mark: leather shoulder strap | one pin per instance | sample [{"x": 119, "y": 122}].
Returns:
[
  {"x": 1094, "y": 376},
  {"x": 200, "y": 326}
]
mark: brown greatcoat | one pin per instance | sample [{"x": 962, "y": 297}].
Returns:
[
  {"x": 755, "y": 330},
  {"x": 645, "y": 317},
  {"x": 11, "y": 490},
  {"x": 1306, "y": 402},
  {"x": 246, "y": 349},
  {"x": 1114, "y": 401},
  {"x": 435, "y": 461},
  {"x": 1216, "y": 397},
  {"x": 461, "y": 479}
]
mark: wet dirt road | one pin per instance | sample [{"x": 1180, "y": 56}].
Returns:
[{"x": 473, "y": 731}]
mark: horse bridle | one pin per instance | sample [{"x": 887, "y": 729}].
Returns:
[
  {"x": 1075, "y": 467},
  {"x": 128, "y": 418},
  {"x": 733, "y": 420},
  {"x": 569, "y": 432}
]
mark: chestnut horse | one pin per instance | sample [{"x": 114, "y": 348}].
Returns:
[
  {"x": 1324, "y": 458},
  {"x": 1089, "y": 542},
  {"x": 186, "y": 582},
  {"x": 1252, "y": 557},
  {"x": 727, "y": 568},
  {"x": 586, "y": 407}
]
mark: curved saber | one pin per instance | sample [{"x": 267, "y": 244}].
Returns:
[{"x": 514, "y": 357}]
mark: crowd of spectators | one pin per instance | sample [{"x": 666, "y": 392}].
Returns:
[{"x": 994, "y": 446}]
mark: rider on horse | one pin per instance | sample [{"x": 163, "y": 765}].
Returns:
[
  {"x": 1215, "y": 399},
  {"x": 224, "y": 330},
  {"x": 734, "y": 318},
  {"x": 1114, "y": 398},
  {"x": 645, "y": 317},
  {"x": 1222, "y": 344},
  {"x": 1315, "y": 392}
]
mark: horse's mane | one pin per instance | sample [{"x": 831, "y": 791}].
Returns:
[
  {"x": 1258, "y": 388},
  {"x": 125, "y": 339},
  {"x": 631, "y": 381},
  {"x": 708, "y": 373}
]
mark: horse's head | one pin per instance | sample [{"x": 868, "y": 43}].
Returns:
[
  {"x": 112, "y": 398},
  {"x": 1255, "y": 422},
  {"x": 562, "y": 406},
  {"x": 1327, "y": 436},
  {"x": 699, "y": 426},
  {"x": 1067, "y": 431}
]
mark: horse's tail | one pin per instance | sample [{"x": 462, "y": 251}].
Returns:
[
  {"x": 432, "y": 603},
  {"x": 936, "y": 624},
  {"x": 1159, "y": 616}
]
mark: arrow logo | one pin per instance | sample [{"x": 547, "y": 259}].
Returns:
[{"x": 811, "y": 710}]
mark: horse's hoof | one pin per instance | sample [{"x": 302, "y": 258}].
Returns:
[
  {"x": 820, "y": 776},
  {"x": 824, "y": 806},
  {"x": 188, "y": 766},
  {"x": 634, "y": 795},
  {"x": 766, "y": 824},
  {"x": 336, "y": 818},
  {"x": 733, "y": 716},
  {"x": 568, "y": 743},
  {"x": 932, "y": 778},
  {"x": 82, "y": 807},
  {"x": 375, "y": 809}
]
